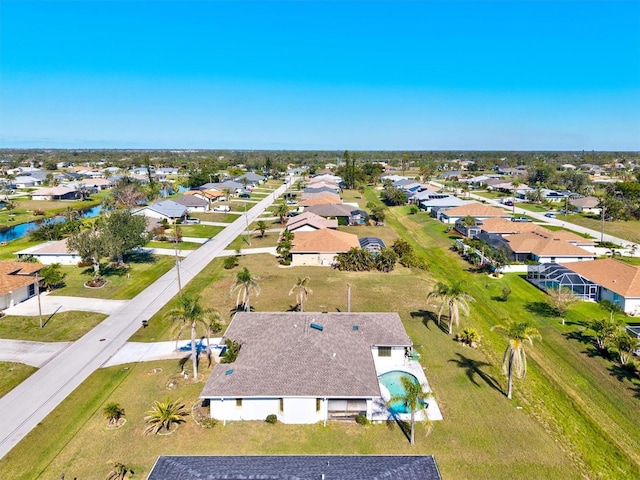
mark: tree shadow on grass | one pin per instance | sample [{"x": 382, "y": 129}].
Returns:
[
  {"x": 580, "y": 336},
  {"x": 140, "y": 257},
  {"x": 541, "y": 308},
  {"x": 473, "y": 368},
  {"x": 405, "y": 427},
  {"x": 623, "y": 372},
  {"x": 426, "y": 316}
]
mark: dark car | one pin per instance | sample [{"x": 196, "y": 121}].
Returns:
[{"x": 244, "y": 195}]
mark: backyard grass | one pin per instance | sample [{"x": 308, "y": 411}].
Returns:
[
  {"x": 25, "y": 207},
  {"x": 12, "y": 374},
  {"x": 59, "y": 327},
  {"x": 123, "y": 284},
  {"x": 7, "y": 252},
  {"x": 628, "y": 230}
]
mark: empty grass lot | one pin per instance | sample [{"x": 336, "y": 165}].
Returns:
[
  {"x": 573, "y": 417},
  {"x": 12, "y": 374},
  {"x": 59, "y": 327},
  {"x": 628, "y": 230},
  {"x": 120, "y": 286}
]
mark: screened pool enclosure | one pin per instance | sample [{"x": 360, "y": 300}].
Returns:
[{"x": 552, "y": 276}]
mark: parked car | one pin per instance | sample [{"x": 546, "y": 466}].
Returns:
[
  {"x": 244, "y": 195},
  {"x": 550, "y": 215},
  {"x": 520, "y": 219},
  {"x": 192, "y": 221},
  {"x": 221, "y": 208}
]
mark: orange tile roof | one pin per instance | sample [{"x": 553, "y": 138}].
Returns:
[
  {"x": 545, "y": 244},
  {"x": 324, "y": 240},
  {"x": 614, "y": 275},
  {"x": 475, "y": 210},
  {"x": 14, "y": 275},
  {"x": 322, "y": 200},
  {"x": 311, "y": 219},
  {"x": 504, "y": 226}
]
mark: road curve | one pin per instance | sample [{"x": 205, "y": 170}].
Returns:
[{"x": 31, "y": 401}]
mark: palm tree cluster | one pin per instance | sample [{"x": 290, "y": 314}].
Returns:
[
  {"x": 164, "y": 415},
  {"x": 362, "y": 260},
  {"x": 454, "y": 299},
  {"x": 611, "y": 334}
]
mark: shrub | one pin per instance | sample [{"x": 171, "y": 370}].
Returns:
[
  {"x": 85, "y": 263},
  {"x": 506, "y": 291},
  {"x": 272, "y": 418},
  {"x": 413, "y": 260},
  {"x": 230, "y": 262},
  {"x": 362, "y": 419},
  {"x": 38, "y": 213}
]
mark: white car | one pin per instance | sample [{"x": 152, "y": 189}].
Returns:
[{"x": 221, "y": 208}]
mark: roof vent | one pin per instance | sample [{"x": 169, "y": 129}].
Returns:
[
  {"x": 354, "y": 328},
  {"x": 316, "y": 326},
  {"x": 229, "y": 372}
]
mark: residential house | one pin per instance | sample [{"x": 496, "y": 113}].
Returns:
[
  {"x": 17, "y": 282},
  {"x": 308, "y": 222},
  {"x": 55, "y": 193},
  {"x": 250, "y": 178},
  {"x": 371, "y": 244},
  {"x": 48, "y": 253},
  {"x": 299, "y": 467},
  {"x": 320, "y": 200},
  {"x": 210, "y": 195},
  {"x": 617, "y": 282},
  {"x": 321, "y": 247},
  {"x": 474, "y": 209},
  {"x": 166, "y": 209},
  {"x": 505, "y": 227},
  {"x": 97, "y": 183},
  {"x": 549, "y": 247},
  {"x": 306, "y": 367},
  {"x": 25, "y": 181},
  {"x": 193, "y": 203},
  {"x": 345, "y": 214},
  {"x": 586, "y": 204}
]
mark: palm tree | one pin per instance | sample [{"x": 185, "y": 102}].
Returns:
[
  {"x": 245, "y": 283},
  {"x": 604, "y": 330},
  {"x": 282, "y": 209},
  {"x": 514, "y": 360},
  {"x": 119, "y": 471},
  {"x": 454, "y": 298},
  {"x": 190, "y": 314},
  {"x": 625, "y": 344},
  {"x": 262, "y": 227},
  {"x": 302, "y": 291},
  {"x": 164, "y": 414},
  {"x": 113, "y": 412},
  {"x": 414, "y": 399}
]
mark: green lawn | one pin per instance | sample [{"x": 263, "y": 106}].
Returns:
[
  {"x": 200, "y": 231},
  {"x": 532, "y": 207},
  {"x": 120, "y": 286},
  {"x": 12, "y": 374},
  {"x": 7, "y": 252},
  {"x": 171, "y": 245},
  {"x": 59, "y": 327},
  {"x": 628, "y": 230},
  {"x": 574, "y": 415},
  {"x": 216, "y": 217}
]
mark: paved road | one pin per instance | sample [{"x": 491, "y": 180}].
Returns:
[
  {"x": 552, "y": 221},
  {"x": 32, "y": 400}
]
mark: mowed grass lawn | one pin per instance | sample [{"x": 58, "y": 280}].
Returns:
[
  {"x": 12, "y": 374},
  {"x": 573, "y": 416},
  {"x": 143, "y": 270},
  {"x": 59, "y": 327},
  {"x": 628, "y": 230}
]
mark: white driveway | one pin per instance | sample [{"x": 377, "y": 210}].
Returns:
[
  {"x": 35, "y": 354},
  {"x": 54, "y": 303}
]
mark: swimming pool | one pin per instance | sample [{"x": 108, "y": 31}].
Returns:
[{"x": 392, "y": 381}]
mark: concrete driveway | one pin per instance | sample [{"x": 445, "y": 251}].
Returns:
[
  {"x": 35, "y": 354},
  {"x": 54, "y": 303}
]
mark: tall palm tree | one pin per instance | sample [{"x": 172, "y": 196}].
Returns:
[
  {"x": 190, "y": 314},
  {"x": 302, "y": 291},
  {"x": 245, "y": 283},
  {"x": 414, "y": 399},
  {"x": 514, "y": 360},
  {"x": 164, "y": 414},
  {"x": 282, "y": 209},
  {"x": 452, "y": 297}
]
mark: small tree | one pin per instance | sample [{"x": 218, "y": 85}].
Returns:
[
  {"x": 604, "y": 330},
  {"x": 262, "y": 227},
  {"x": 232, "y": 351},
  {"x": 52, "y": 276},
  {"x": 386, "y": 260},
  {"x": 113, "y": 412},
  {"x": 302, "y": 291},
  {"x": 624, "y": 343},
  {"x": 414, "y": 399},
  {"x": 164, "y": 415},
  {"x": 561, "y": 299},
  {"x": 506, "y": 292},
  {"x": 469, "y": 337},
  {"x": 119, "y": 471},
  {"x": 245, "y": 283}
]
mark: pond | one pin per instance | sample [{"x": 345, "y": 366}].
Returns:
[{"x": 22, "y": 230}]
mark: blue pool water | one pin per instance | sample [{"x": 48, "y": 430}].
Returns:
[{"x": 392, "y": 381}]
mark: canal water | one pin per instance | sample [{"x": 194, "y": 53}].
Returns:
[{"x": 19, "y": 231}]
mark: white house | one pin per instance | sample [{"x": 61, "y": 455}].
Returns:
[
  {"x": 306, "y": 367},
  {"x": 166, "y": 209},
  {"x": 320, "y": 247},
  {"x": 17, "y": 282},
  {"x": 51, "y": 252}
]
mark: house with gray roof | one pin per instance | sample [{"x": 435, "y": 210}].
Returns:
[
  {"x": 166, "y": 209},
  {"x": 194, "y": 203},
  {"x": 250, "y": 178},
  {"x": 306, "y": 367},
  {"x": 299, "y": 467}
]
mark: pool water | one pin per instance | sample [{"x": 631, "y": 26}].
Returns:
[{"x": 393, "y": 382}]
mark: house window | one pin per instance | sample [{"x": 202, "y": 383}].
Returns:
[
  {"x": 32, "y": 289},
  {"x": 318, "y": 403},
  {"x": 384, "y": 351},
  {"x": 238, "y": 402},
  {"x": 281, "y": 404}
]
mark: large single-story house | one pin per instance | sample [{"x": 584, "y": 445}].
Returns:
[
  {"x": 166, "y": 209},
  {"x": 586, "y": 204},
  {"x": 17, "y": 282},
  {"x": 194, "y": 203},
  {"x": 617, "y": 281},
  {"x": 25, "y": 181},
  {"x": 250, "y": 178},
  {"x": 320, "y": 247},
  {"x": 55, "y": 193},
  {"x": 549, "y": 247},
  {"x": 320, "y": 200},
  {"x": 308, "y": 222},
  {"x": 474, "y": 209},
  {"x": 299, "y": 467},
  {"x": 335, "y": 210},
  {"x": 48, "y": 253},
  {"x": 306, "y": 367}
]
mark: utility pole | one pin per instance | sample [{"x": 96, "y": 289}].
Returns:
[
  {"x": 38, "y": 294},
  {"x": 602, "y": 230},
  {"x": 175, "y": 232},
  {"x": 348, "y": 298}
]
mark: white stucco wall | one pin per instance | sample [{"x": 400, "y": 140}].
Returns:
[
  {"x": 10, "y": 299},
  {"x": 324, "y": 259},
  {"x": 629, "y": 305},
  {"x": 296, "y": 410},
  {"x": 62, "y": 259},
  {"x": 563, "y": 259},
  {"x": 384, "y": 364}
]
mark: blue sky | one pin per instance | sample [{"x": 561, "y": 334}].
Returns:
[{"x": 357, "y": 75}]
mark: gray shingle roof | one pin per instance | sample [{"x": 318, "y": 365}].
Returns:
[
  {"x": 296, "y": 467},
  {"x": 191, "y": 201},
  {"x": 282, "y": 355},
  {"x": 331, "y": 210},
  {"x": 168, "y": 208}
]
